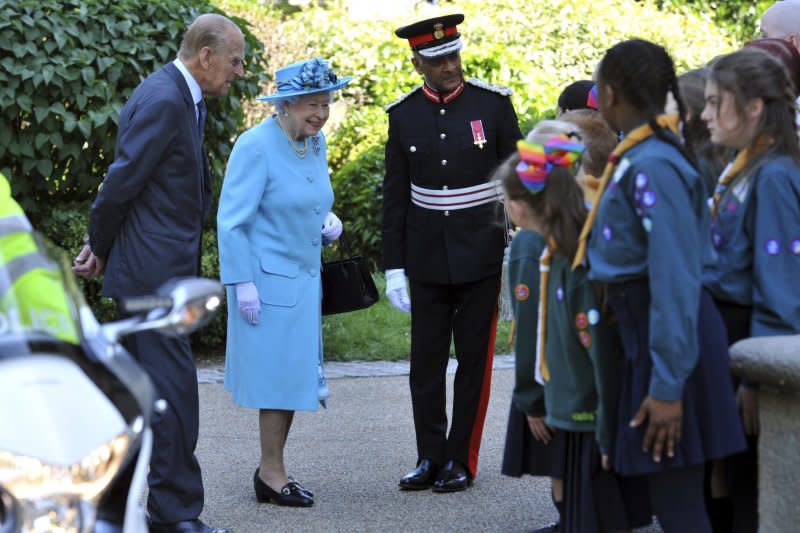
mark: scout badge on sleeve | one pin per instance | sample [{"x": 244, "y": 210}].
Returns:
[{"x": 478, "y": 136}]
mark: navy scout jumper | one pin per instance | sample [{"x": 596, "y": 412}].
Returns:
[
  {"x": 648, "y": 243},
  {"x": 452, "y": 255},
  {"x": 755, "y": 233}
]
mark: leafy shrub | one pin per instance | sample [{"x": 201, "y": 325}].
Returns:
[
  {"x": 68, "y": 68},
  {"x": 555, "y": 43},
  {"x": 734, "y": 17},
  {"x": 211, "y": 336},
  {"x": 359, "y": 202}
]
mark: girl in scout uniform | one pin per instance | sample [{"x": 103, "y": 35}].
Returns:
[
  {"x": 755, "y": 228},
  {"x": 576, "y": 353},
  {"x": 648, "y": 241},
  {"x": 531, "y": 446}
]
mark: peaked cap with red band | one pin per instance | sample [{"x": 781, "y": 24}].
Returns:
[{"x": 433, "y": 37}]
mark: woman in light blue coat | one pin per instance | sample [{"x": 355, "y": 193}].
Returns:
[{"x": 274, "y": 217}]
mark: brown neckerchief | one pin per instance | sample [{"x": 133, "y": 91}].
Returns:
[{"x": 742, "y": 161}]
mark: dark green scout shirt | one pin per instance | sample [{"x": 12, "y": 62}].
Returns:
[
  {"x": 582, "y": 352},
  {"x": 523, "y": 276}
]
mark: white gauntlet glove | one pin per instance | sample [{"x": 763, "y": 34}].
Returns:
[
  {"x": 396, "y": 289},
  {"x": 249, "y": 305},
  {"x": 331, "y": 227}
]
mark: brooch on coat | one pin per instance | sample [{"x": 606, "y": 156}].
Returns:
[{"x": 315, "y": 144}]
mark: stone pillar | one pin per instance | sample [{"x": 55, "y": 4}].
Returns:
[{"x": 774, "y": 362}]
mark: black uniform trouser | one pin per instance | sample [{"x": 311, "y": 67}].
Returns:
[
  {"x": 467, "y": 313},
  {"x": 175, "y": 481}
]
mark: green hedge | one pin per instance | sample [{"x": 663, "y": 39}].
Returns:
[{"x": 68, "y": 66}]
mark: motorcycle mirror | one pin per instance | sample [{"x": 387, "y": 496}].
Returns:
[{"x": 179, "y": 307}]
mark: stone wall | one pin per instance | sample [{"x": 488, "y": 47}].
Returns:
[{"x": 774, "y": 362}]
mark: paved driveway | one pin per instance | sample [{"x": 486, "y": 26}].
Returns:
[{"x": 351, "y": 456}]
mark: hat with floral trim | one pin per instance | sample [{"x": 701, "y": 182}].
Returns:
[{"x": 305, "y": 77}]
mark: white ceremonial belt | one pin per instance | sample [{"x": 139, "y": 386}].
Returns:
[{"x": 449, "y": 199}]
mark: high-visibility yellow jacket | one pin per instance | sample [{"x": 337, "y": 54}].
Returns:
[{"x": 32, "y": 292}]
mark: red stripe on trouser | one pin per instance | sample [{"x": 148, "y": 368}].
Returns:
[{"x": 483, "y": 402}]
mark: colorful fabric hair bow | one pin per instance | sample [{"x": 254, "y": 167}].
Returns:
[
  {"x": 591, "y": 99},
  {"x": 536, "y": 161}
]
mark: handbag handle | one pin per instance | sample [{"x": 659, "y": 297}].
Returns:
[{"x": 344, "y": 246}]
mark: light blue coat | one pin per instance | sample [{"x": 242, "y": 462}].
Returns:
[{"x": 269, "y": 224}]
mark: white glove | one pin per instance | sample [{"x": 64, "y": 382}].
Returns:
[
  {"x": 249, "y": 305},
  {"x": 396, "y": 289},
  {"x": 332, "y": 227}
]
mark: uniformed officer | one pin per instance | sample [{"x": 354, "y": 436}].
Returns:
[
  {"x": 32, "y": 293},
  {"x": 444, "y": 229}
]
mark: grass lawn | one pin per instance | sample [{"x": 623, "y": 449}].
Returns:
[{"x": 379, "y": 333}]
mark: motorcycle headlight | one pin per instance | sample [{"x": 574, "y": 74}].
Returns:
[{"x": 60, "y": 498}]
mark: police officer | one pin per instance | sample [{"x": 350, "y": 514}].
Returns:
[
  {"x": 444, "y": 229},
  {"x": 32, "y": 294}
]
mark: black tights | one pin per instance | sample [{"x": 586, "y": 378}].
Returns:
[{"x": 677, "y": 500}]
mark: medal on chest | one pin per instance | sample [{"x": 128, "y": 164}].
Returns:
[{"x": 478, "y": 135}]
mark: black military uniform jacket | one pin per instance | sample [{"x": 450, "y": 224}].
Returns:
[{"x": 432, "y": 146}]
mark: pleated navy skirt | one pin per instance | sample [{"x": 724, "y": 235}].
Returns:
[
  {"x": 523, "y": 454},
  {"x": 711, "y": 425}
]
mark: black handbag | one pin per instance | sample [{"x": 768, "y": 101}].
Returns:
[{"x": 347, "y": 284}]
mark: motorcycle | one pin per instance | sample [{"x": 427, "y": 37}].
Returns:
[{"x": 75, "y": 407}]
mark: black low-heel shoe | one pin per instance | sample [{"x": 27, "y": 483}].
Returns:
[{"x": 289, "y": 495}]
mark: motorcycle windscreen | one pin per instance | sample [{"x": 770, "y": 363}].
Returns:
[{"x": 52, "y": 410}]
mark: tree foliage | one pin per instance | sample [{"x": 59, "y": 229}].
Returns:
[
  {"x": 536, "y": 48},
  {"x": 738, "y": 18}
]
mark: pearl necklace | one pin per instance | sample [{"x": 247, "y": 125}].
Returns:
[{"x": 299, "y": 151}]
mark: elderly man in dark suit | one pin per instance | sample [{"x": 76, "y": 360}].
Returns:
[{"x": 145, "y": 228}]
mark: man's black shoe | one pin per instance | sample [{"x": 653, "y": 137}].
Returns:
[
  {"x": 452, "y": 478},
  {"x": 420, "y": 478}
]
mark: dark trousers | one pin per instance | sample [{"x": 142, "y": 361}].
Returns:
[
  {"x": 467, "y": 314},
  {"x": 175, "y": 482}
]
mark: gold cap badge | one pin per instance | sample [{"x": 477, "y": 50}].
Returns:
[{"x": 438, "y": 30}]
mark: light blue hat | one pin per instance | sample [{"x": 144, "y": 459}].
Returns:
[{"x": 305, "y": 77}]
